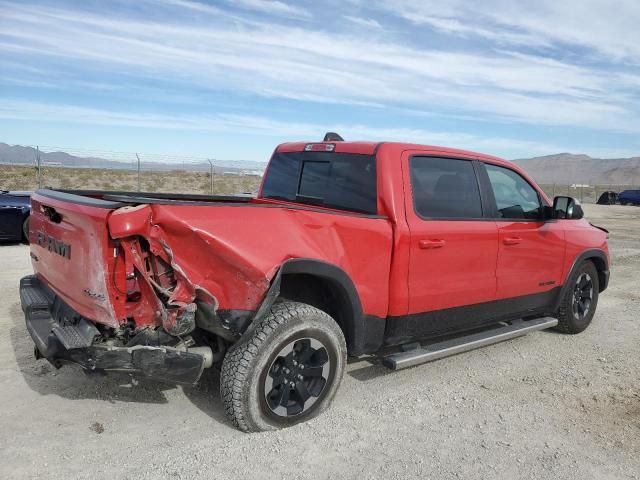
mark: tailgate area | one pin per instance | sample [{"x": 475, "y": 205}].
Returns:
[{"x": 72, "y": 253}]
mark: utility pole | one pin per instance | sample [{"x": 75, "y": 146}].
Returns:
[
  {"x": 138, "y": 157},
  {"x": 38, "y": 166},
  {"x": 211, "y": 165}
]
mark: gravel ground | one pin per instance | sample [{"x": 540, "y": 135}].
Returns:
[{"x": 542, "y": 406}]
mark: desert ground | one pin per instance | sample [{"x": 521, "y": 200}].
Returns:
[
  {"x": 544, "y": 406},
  {"x": 177, "y": 181}
]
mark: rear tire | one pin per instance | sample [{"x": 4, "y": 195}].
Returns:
[
  {"x": 286, "y": 371},
  {"x": 25, "y": 230},
  {"x": 580, "y": 300}
]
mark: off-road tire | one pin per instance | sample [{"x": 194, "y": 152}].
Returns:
[
  {"x": 567, "y": 322},
  {"x": 25, "y": 230},
  {"x": 247, "y": 364}
]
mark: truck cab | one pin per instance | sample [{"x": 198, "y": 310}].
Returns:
[{"x": 398, "y": 251}]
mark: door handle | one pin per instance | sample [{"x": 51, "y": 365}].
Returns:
[
  {"x": 426, "y": 244},
  {"x": 511, "y": 240}
]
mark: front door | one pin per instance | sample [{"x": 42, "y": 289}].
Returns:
[{"x": 530, "y": 250}]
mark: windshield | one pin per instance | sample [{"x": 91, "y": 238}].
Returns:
[{"x": 343, "y": 181}]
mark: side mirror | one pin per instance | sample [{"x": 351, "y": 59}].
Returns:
[{"x": 567, "y": 208}]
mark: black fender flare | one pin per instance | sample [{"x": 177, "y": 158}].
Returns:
[
  {"x": 364, "y": 333},
  {"x": 603, "y": 274}
]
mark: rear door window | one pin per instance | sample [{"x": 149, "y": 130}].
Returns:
[{"x": 444, "y": 188}]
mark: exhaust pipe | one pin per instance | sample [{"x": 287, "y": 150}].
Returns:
[{"x": 206, "y": 352}]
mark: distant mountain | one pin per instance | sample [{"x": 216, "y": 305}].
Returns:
[
  {"x": 19, "y": 155},
  {"x": 568, "y": 168}
]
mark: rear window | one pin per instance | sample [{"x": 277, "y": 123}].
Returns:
[
  {"x": 343, "y": 181},
  {"x": 444, "y": 188}
]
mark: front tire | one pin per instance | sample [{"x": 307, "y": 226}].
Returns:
[
  {"x": 580, "y": 300},
  {"x": 286, "y": 371}
]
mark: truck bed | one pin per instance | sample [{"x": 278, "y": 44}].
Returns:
[{"x": 176, "y": 251}]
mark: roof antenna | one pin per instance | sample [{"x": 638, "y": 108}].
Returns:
[{"x": 332, "y": 137}]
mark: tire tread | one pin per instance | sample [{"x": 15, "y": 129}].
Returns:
[
  {"x": 564, "y": 313},
  {"x": 237, "y": 365}
]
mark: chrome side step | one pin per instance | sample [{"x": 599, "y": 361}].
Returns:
[{"x": 446, "y": 348}]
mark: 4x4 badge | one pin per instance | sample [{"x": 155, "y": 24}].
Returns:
[{"x": 96, "y": 296}]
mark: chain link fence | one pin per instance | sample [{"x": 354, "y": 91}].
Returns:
[
  {"x": 72, "y": 168},
  {"x": 584, "y": 193}
]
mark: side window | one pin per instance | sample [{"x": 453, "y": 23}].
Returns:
[
  {"x": 515, "y": 197},
  {"x": 444, "y": 188}
]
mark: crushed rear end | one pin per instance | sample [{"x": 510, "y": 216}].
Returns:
[{"x": 106, "y": 303}]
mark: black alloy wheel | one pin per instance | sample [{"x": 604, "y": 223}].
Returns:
[
  {"x": 582, "y": 296},
  {"x": 579, "y": 299},
  {"x": 297, "y": 377}
]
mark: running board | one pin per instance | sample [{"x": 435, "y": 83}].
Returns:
[{"x": 446, "y": 348}]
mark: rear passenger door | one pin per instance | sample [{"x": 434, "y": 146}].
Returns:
[
  {"x": 454, "y": 249},
  {"x": 531, "y": 250}
]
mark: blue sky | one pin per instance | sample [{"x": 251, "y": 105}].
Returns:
[{"x": 231, "y": 79}]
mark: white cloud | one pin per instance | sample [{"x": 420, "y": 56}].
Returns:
[
  {"x": 263, "y": 126},
  {"x": 465, "y": 29},
  {"x": 604, "y": 26},
  {"x": 363, "y": 22},
  {"x": 328, "y": 67},
  {"x": 194, "y": 45},
  {"x": 193, "y": 6},
  {"x": 273, "y": 7}
]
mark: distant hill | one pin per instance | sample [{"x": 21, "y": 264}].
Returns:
[
  {"x": 19, "y": 155},
  {"x": 568, "y": 168}
]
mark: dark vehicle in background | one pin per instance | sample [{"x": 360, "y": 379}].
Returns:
[
  {"x": 15, "y": 208},
  {"x": 608, "y": 198},
  {"x": 629, "y": 197}
]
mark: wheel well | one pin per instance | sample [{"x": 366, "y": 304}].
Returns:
[
  {"x": 601, "y": 267},
  {"x": 323, "y": 293},
  {"x": 25, "y": 219}
]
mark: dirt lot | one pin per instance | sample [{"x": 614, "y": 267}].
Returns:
[
  {"x": 543, "y": 406},
  {"x": 177, "y": 181}
]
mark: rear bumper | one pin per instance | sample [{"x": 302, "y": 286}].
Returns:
[{"x": 63, "y": 336}]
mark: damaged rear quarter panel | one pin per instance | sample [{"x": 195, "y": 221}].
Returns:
[{"x": 233, "y": 252}]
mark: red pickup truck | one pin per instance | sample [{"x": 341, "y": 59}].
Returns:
[{"x": 403, "y": 252}]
